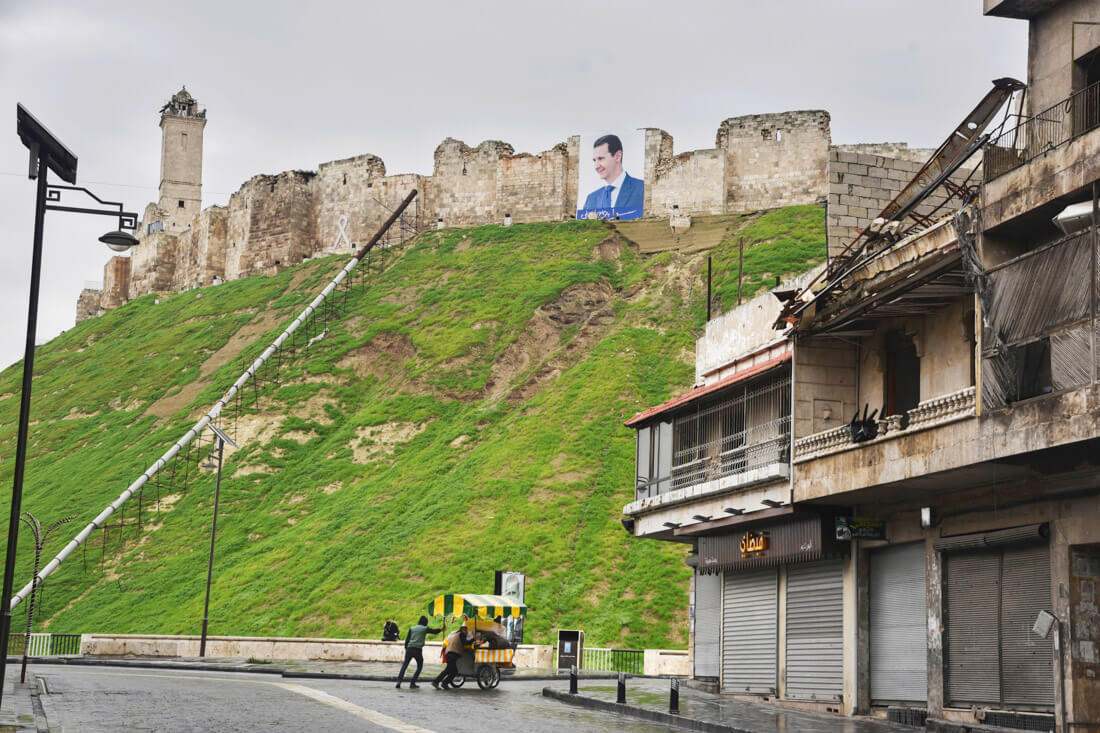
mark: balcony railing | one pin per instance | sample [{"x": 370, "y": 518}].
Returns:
[
  {"x": 746, "y": 432},
  {"x": 1072, "y": 117},
  {"x": 931, "y": 413}
]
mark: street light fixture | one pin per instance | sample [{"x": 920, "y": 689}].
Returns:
[{"x": 47, "y": 153}]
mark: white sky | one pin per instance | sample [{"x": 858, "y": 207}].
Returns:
[{"x": 289, "y": 85}]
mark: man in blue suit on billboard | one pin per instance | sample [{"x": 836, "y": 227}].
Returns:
[{"x": 623, "y": 195}]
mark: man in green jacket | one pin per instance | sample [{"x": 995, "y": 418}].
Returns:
[{"x": 414, "y": 649}]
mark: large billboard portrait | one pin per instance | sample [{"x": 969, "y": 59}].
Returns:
[{"x": 611, "y": 169}]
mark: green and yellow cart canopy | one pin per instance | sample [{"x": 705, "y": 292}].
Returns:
[{"x": 476, "y": 606}]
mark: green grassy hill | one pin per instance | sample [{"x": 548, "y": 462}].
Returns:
[{"x": 463, "y": 415}]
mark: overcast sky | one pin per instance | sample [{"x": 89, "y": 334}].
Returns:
[{"x": 289, "y": 86}]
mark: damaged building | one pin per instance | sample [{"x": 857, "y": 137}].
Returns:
[{"x": 889, "y": 477}]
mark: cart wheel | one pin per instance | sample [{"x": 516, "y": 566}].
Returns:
[
  {"x": 458, "y": 681},
  {"x": 487, "y": 676}
]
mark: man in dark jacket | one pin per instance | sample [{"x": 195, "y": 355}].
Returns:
[
  {"x": 456, "y": 647},
  {"x": 414, "y": 649},
  {"x": 390, "y": 632}
]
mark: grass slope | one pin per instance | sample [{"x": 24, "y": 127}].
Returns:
[{"x": 465, "y": 415}]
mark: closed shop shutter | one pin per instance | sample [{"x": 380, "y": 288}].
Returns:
[
  {"x": 815, "y": 631},
  {"x": 708, "y": 621},
  {"x": 1027, "y": 667},
  {"x": 750, "y": 621},
  {"x": 899, "y": 624},
  {"x": 973, "y": 627},
  {"x": 993, "y": 597}
]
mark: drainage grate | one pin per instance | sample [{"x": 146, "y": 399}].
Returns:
[
  {"x": 1020, "y": 721},
  {"x": 907, "y": 716}
]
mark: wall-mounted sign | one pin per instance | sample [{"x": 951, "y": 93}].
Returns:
[
  {"x": 860, "y": 528},
  {"x": 753, "y": 544}
]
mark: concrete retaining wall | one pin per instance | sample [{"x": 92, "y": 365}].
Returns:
[{"x": 657, "y": 661}]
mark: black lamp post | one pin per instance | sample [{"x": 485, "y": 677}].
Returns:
[{"x": 46, "y": 153}]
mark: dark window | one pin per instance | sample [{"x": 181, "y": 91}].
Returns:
[
  {"x": 1032, "y": 362},
  {"x": 902, "y": 375},
  {"x": 181, "y": 203}
]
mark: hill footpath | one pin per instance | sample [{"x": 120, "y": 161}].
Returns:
[{"x": 463, "y": 415}]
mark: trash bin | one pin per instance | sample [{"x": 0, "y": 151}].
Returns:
[{"x": 570, "y": 648}]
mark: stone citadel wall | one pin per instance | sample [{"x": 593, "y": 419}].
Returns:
[{"x": 276, "y": 221}]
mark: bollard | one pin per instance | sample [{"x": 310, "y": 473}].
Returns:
[
  {"x": 573, "y": 680},
  {"x": 620, "y": 696},
  {"x": 674, "y": 697}
]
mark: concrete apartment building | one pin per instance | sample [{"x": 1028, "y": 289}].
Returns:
[{"x": 906, "y": 562}]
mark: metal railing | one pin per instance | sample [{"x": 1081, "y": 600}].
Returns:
[
  {"x": 44, "y": 645},
  {"x": 1072, "y": 117},
  {"x": 631, "y": 661}
]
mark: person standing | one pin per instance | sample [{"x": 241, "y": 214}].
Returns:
[{"x": 414, "y": 649}]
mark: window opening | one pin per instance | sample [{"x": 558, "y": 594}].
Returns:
[{"x": 902, "y": 375}]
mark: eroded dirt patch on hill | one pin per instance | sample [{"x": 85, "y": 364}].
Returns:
[
  {"x": 171, "y": 404},
  {"x": 538, "y": 355},
  {"x": 384, "y": 358},
  {"x": 374, "y": 441}
]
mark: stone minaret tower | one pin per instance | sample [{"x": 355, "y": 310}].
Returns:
[{"x": 181, "y": 123}]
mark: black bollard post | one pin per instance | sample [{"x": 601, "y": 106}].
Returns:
[
  {"x": 620, "y": 696},
  {"x": 573, "y": 680},
  {"x": 674, "y": 697}
]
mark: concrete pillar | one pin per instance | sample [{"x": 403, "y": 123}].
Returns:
[
  {"x": 855, "y": 631},
  {"x": 781, "y": 661},
  {"x": 934, "y": 597}
]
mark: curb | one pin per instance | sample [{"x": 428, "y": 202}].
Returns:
[
  {"x": 200, "y": 667},
  {"x": 654, "y": 716}
]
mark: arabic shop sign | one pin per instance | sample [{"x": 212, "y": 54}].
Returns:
[
  {"x": 860, "y": 528},
  {"x": 753, "y": 544}
]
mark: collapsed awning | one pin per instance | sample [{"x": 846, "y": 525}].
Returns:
[{"x": 476, "y": 606}]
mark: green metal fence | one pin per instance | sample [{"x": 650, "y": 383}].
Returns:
[{"x": 44, "y": 645}]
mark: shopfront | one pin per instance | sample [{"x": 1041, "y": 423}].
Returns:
[{"x": 782, "y": 612}]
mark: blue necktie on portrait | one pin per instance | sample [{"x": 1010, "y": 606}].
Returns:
[{"x": 606, "y": 203}]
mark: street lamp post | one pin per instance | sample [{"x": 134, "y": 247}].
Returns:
[
  {"x": 46, "y": 153},
  {"x": 222, "y": 439}
]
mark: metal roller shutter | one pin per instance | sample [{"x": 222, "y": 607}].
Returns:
[
  {"x": 1027, "y": 665},
  {"x": 815, "y": 631},
  {"x": 750, "y": 620},
  {"x": 973, "y": 627},
  {"x": 708, "y": 622},
  {"x": 899, "y": 624}
]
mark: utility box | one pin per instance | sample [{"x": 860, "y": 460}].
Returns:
[{"x": 570, "y": 648}]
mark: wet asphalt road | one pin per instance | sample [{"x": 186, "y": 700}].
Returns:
[{"x": 104, "y": 699}]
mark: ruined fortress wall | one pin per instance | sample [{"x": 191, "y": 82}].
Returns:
[
  {"x": 153, "y": 264},
  {"x": 689, "y": 183},
  {"x": 775, "y": 159},
  {"x": 537, "y": 187},
  {"x": 862, "y": 184},
  {"x": 464, "y": 183},
  {"x": 201, "y": 250},
  {"x": 270, "y": 224},
  {"x": 359, "y": 189},
  {"x": 116, "y": 282},
  {"x": 87, "y": 304}
]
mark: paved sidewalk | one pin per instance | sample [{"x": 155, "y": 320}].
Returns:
[
  {"x": 17, "y": 709},
  {"x": 374, "y": 671},
  {"x": 648, "y": 699}
]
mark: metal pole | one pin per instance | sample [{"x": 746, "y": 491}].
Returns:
[
  {"x": 572, "y": 679},
  {"x": 708, "y": 288},
  {"x": 740, "y": 266},
  {"x": 674, "y": 696},
  {"x": 24, "y": 420},
  {"x": 213, "y": 534},
  {"x": 620, "y": 693}
]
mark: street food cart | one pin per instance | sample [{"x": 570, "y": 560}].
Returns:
[{"x": 482, "y": 611}]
